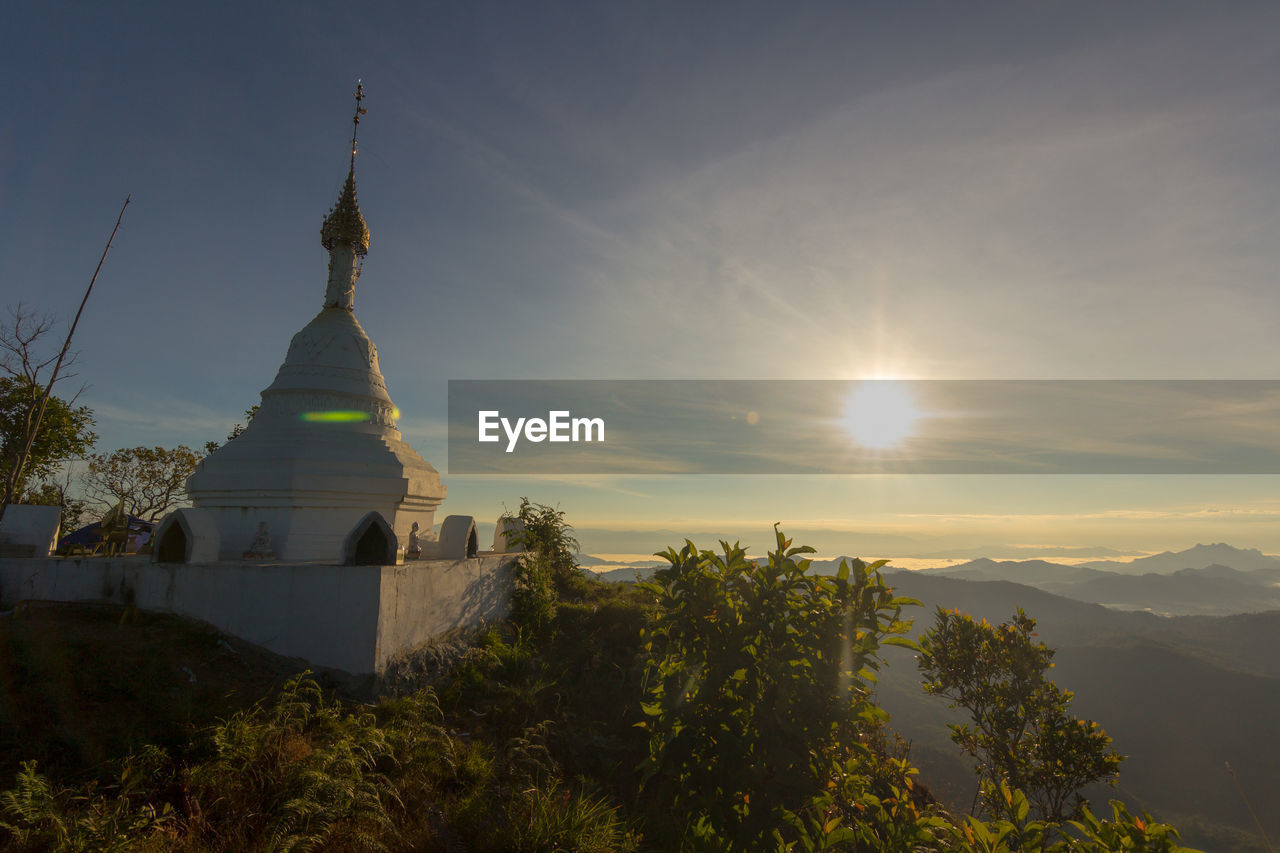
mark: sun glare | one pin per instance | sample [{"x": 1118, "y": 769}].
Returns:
[{"x": 880, "y": 414}]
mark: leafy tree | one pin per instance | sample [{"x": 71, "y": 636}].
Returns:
[
  {"x": 65, "y": 433},
  {"x": 149, "y": 480},
  {"x": 62, "y": 432},
  {"x": 760, "y": 715},
  {"x": 1022, "y": 734},
  {"x": 238, "y": 429}
]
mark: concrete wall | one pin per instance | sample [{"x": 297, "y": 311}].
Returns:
[
  {"x": 423, "y": 599},
  {"x": 354, "y": 618},
  {"x": 34, "y": 526}
]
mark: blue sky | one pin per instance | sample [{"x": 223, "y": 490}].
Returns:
[{"x": 670, "y": 190}]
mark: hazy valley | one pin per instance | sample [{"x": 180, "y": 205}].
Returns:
[{"x": 1181, "y": 667}]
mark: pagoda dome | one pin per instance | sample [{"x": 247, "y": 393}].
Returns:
[{"x": 331, "y": 368}]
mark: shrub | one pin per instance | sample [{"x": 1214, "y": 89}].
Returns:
[
  {"x": 548, "y": 570},
  {"x": 1022, "y": 734},
  {"x": 759, "y": 710}
]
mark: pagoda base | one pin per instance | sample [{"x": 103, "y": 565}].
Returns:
[{"x": 352, "y": 618}]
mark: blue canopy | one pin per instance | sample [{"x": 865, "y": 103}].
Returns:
[{"x": 91, "y": 534}]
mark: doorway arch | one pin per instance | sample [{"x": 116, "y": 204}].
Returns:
[
  {"x": 371, "y": 542},
  {"x": 171, "y": 547},
  {"x": 187, "y": 535}
]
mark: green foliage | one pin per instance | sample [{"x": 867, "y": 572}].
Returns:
[
  {"x": 1124, "y": 832},
  {"x": 586, "y": 676},
  {"x": 533, "y": 600},
  {"x": 1018, "y": 832},
  {"x": 300, "y": 774},
  {"x": 37, "y": 816},
  {"x": 554, "y": 818},
  {"x": 238, "y": 429},
  {"x": 66, "y": 432},
  {"x": 732, "y": 713},
  {"x": 546, "y": 814},
  {"x": 545, "y": 533},
  {"x": 548, "y": 723},
  {"x": 1022, "y": 734},
  {"x": 759, "y": 704},
  {"x": 548, "y": 570}
]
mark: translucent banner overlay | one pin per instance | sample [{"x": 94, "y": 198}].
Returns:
[{"x": 864, "y": 427}]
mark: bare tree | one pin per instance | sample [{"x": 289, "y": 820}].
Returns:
[
  {"x": 149, "y": 481},
  {"x": 20, "y": 344}
]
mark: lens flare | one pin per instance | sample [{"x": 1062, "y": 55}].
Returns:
[{"x": 334, "y": 417}]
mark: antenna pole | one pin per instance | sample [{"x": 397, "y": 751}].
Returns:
[{"x": 15, "y": 475}]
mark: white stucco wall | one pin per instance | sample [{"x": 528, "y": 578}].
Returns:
[
  {"x": 354, "y": 618},
  {"x": 423, "y": 599},
  {"x": 25, "y": 524}
]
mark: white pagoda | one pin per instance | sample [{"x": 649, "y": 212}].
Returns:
[
  {"x": 312, "y": 532},
  {"x": 321, "y": 464}
]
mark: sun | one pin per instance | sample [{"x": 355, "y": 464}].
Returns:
[{"x": 880, "y": 414}]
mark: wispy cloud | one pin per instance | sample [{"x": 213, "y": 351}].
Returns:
[{"x": 162, "y": 419}]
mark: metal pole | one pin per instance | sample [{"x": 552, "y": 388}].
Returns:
[{"x": 15, "y": 475}]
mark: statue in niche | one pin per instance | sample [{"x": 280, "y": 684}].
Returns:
[
  {"x": 261, "y": 547},
  {"x": 415, "y": 547}
]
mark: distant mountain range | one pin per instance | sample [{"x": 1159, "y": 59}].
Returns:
[
  {"x": 588, "y": 561},
  {"x": 1181, "y": 667},
  {"x": 630, "y": 572},
  {"x": 1197, "y": 557},
  {"x": 1207, "y": 580},
  {"x": 1180, "y": 696}
]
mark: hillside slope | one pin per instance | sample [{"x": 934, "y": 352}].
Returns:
[
  {"x": 1180, "y": 696},
  {"x": 81, "y": 684}
]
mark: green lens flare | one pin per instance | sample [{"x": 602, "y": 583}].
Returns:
[{"x": 338, "y": 417}]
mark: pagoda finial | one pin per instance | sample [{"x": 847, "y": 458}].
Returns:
[
  {"x": 355, "y": 121},
  {"x": 344, "y": 226}
]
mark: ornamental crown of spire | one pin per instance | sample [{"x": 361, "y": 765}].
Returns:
[{"x": 344, "y": 226}]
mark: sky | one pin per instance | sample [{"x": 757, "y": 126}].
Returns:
[{"x": 1038, "y": 191}]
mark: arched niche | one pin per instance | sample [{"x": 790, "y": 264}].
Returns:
[
  {"x": 186, "y": 535},
  {"x": 508, "y": 535},
  {"x": 458, "y": 539},
  {"x": 372, "y": 542},
  {"x": 172, "y": 545}
]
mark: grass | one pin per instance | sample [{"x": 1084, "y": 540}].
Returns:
[
  {"x": 122, "y": 729},
  {"x": 83, "y": 685}
]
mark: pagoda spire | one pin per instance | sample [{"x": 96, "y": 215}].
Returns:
[{"x": 344, "y": 232}]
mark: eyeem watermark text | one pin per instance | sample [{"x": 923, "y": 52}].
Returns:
[{"x": 558, "y": 427}]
